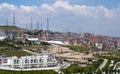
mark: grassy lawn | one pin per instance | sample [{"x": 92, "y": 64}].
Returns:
[
  {"x": 110, "y": 57},
  {"x": 78, "y": 69},
  {"x": 17, "y": 53},
  {"x": 77, "y": 48},
  {"x": 37, "y": 47},
  {"x": 34, "y": 47},
  {"x": 114, "y": 52},
  {"x": 28, "y": 72},
  {"x": 9, "y": 27}
]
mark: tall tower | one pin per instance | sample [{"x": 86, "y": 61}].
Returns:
[
  {"x": 6, "y": 22},
  {"x": 37, "y": 25},
  {"x": 67, "y": 28},
  {"x": 31, "y": 24},
  {"x": 41, "y": 26},
  {"x": 47, "y": 24},
  {"x": 14, "y": 18},
  {"x": 27, "y": 26}
]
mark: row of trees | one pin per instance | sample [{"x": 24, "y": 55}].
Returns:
[{"x": 8, "y": 44}]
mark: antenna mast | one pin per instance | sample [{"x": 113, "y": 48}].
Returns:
[
  {"x": 14, "y": 18},
  {"x": 47, "y": 24},
  {"x": 6, "y": 21},
  {"x": 31, "y": 25}
]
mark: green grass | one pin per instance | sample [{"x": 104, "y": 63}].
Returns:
[
  {"x": 35, "y": 47},
  {"x": 114, "y": 52},
  {"x": 28, "y": 72},
  {"x": 115, "y": 58},
  {"x": 17, "y": 53},
  {"x": 9, "y": 27},
  {"x": 78, "y": 69},
  {"x": 77, "y": 48}
]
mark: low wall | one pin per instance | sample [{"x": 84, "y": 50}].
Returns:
[{"x": 30, "y": 69}]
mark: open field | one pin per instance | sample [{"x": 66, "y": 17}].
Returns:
[
  {"x": 35, "y": 47},
  {"x": 77, "y": 48},
  {"x": 17, "y": 53},
  {"x": 28, "y": 72}
]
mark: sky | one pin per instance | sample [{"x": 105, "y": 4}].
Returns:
[{"x": 80, "y": 16}]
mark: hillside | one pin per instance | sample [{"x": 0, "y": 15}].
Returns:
[{"x": 8, "y": 27}]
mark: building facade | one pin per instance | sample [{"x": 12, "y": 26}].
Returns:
[{"x": 39, "y": 61}]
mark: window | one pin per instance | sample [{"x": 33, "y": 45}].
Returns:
[
  {"x": 17, "y": 61},
  {"x": 31, "y": 60},
  {"x": 26, "y": 61},
  {"x": 14, "y": 61},
  {"x": 40, "y": 60},
  {"x": 35, "y": 60}
]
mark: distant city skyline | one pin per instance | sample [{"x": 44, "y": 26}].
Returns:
[{"x": 93, "y": 16}]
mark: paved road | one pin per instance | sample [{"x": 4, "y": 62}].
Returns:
[
  {"x": 115, "y": 66},
  {"x": 65, "y": 65},
  {"x": 103, "y": 64}
]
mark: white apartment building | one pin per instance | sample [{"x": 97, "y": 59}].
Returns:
[{"x": 40, "y": 61}]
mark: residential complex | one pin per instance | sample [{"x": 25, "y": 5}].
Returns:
[{"x": 42, "y": 60}]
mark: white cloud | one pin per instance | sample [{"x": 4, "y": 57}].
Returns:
[
  {"x": 87, "y": 11},
  {"x": 62, "y": 12},
  {"x": 28, "y": 8},
  {"x": 63, "y": 4},
  {"x": 48, "y": 7},
  {"x": 8, "y": 6}
]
